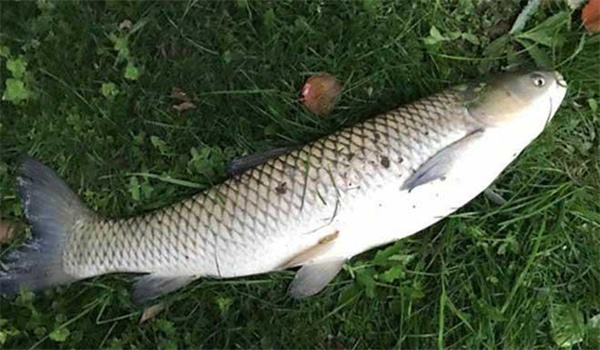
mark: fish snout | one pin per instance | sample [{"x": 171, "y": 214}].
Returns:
[{"x": 560, "y": 80}]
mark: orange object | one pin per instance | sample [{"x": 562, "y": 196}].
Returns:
[
  {"x": 591, "y": 16},
  {"x": 320, "y": 93}
]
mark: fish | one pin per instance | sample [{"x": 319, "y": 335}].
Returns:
[{"x": 312, "y": 208}]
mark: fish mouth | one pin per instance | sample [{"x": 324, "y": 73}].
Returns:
[{"x": 560, "y": 80}]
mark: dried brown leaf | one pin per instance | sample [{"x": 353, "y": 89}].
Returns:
[
  {"x": 7, "y": 230},
  {"x": 178, "y": 94},
  {"x": 152, "y": 311},
  {"x": 184, "y": 106}
]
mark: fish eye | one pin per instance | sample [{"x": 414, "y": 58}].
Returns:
[{"x": 538, "y": 80}]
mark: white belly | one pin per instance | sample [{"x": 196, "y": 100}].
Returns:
[{"x": 389, "y": 214}]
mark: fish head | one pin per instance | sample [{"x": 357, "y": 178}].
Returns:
[{"x": 527, "y": 99}]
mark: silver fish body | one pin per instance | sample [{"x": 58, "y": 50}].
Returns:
[
  {"x": 364, "y": 186},
  {"x": 259, "y": 220}
]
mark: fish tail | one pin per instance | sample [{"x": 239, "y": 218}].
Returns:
[{"x": 52, "y": 209}]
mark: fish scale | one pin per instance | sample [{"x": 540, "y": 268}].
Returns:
[
  {"x": 245, "y": 214},
  {"x": 364, "y": 186}
]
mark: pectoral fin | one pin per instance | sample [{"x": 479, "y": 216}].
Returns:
[
  {"x": 438, "y": 166},
  {"x": 151, "y": 286},
  {"x": 312, "y": 278}
]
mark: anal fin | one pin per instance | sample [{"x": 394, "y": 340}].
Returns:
[
  {"x": 315, "y": 273},
  {"x": 152, "y": 286}
]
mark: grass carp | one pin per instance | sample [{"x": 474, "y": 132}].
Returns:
[{"x": 314, "y": 207}]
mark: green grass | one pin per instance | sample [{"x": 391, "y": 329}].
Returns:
[{"x": 522, "y": 275}]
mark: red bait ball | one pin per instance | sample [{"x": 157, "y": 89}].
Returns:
[
  {"x": 320, "y": 93},
  {"x": 591, "y": 16}
]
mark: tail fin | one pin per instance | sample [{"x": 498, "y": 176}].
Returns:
[{"x": 52, "y": 209}]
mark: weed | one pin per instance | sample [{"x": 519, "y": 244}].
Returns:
[{"x": 86, "y": 89}]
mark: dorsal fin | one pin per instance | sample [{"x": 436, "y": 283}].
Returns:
[{"x": 240, "y": 164}]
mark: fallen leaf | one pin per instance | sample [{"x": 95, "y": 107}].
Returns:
[
  {"x": 184, "y": 106},
  {"x": 126, "y": 24},
  {"x": 320, "y": 93},
  {"x": 151, "y": 312},
  {"x": 7, "y": 230},
  {"x": 590, "y": 15},
  {"x": 180, "y": 95}
]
